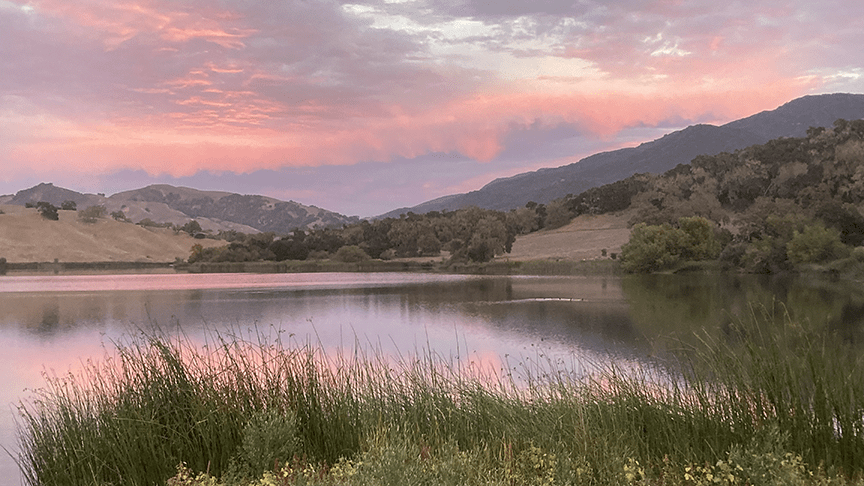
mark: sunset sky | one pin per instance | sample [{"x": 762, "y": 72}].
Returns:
[{"x": 363, "y": 107}]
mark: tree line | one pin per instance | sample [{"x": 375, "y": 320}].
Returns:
[
  {"x": 769, "y": 207},
  {"x": 470, "y": 234}
]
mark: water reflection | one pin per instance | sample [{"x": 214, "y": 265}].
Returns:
[
  {"x": 674, "y": 308},
  {"x": 54, "y": 322}
]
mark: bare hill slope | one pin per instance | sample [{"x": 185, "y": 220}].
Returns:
[
  {"x": 584, "y": 238},
  {"x": 25, "y": 236}
]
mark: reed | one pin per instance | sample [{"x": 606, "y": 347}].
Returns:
[{"x": 762, "y": 406}]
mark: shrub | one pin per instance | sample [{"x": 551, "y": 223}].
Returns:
[
  {"x": 651, "y": 247},
  {"x": 700, "y": 242},
  {"x": 815, "y": 244},
  {"x": 192, "y": 227},
  {"x": 69, "y": 206},
  {"x": 92, "y": 213},
  {"x": 350, "y": 254},
  {"x": 655, "y": 247},
  {"x": 47, "y": 210}
]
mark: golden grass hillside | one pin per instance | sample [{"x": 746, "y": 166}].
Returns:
[
  {"x": 25, "y": 236},
  {"x": 584, "y": 238}
]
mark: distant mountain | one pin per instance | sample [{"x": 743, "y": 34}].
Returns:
[
  {"x": 260, "y": 212},
  {"x": 178, "y": 205},
  {"x": 679, "y": 147}
]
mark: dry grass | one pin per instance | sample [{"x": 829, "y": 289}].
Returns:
[
  {"x": 25, "y": 236},
  {"x": 583, "y": 239}
]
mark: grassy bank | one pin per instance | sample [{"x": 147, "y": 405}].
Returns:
[{"x": 779, "y": 407}]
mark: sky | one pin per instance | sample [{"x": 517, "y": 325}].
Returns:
[{"x": 362, "y": 107}]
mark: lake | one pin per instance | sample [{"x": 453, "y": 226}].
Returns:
[{"x": 51, "y": 324}]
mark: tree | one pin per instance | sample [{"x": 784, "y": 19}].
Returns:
[
  {"x": 47, "y": 210},
  {"x": 699, "y": 242},
  {"x": 69, "y": 205},
  {"x": 289, "y": 248},
  {"x": 655, "y": 247},
  {"x": 651, "y": 247},
  {"x": 815, "y": 244},
  {"x": 428, "y": 244},
  {"x": 557, "y": 214},
  {"x": 92, "y": 213},
  {"x": 192, "y": 227},
  {"x": 350, "y": 254}
]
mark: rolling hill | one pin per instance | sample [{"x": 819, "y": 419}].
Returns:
[
  {"x": 213, "y": 210},
  {"x": 28, "y": 237}
]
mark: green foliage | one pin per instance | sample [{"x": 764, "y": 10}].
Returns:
[
  {"x": 557, "y": 214},
  {"x": 428, "y": 245},
  {"x": 815, "y": 244},
  {"x": 699, "y": 241},
  {"x": 192, "y": 227},
  {"x": 119, "y": 216},
  {"x": 817, "y": 178},
  {"x": 651, "y": 247},
  {"x": 469, "y": 234},
  {"x": 47, "y": 210},
  {"x": 69, "y": 206},
  {"x": 657, "y": 247},
  {"x": 92, "y": 213},
  {"x": 350, "y": 254},
  {"x": 269, "y": 440},
  {"x": 289, "y": 248},
  {"x": 149, "y": 223}
]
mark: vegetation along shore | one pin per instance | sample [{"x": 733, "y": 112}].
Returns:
[{"x": 772, "y": 402}]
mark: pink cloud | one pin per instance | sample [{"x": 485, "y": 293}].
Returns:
[{"x": 177, "y": 88}]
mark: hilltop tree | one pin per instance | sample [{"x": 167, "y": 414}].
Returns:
[
  {"x": 192, "y": 227},
  {"x": 92, "y": 213},
  {"x": 47, "y": 210}
]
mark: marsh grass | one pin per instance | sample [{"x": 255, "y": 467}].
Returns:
[{"x": 762, "y": 406}]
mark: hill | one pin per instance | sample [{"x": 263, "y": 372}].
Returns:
[
  {"x": 680, "y": 147},
  {"x": 584, "y": 238},
  {"x": 28, "y": 237},
  {"x": 214, "y": 211}
]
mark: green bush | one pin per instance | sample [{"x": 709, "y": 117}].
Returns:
[
  {"x": 651, "y": 247},
  {"x": 350, "y": 254},
  {"x": 269, "y": 440},
  {"x": 656, "y": 247},
  {"x": 815, "y": 244}
]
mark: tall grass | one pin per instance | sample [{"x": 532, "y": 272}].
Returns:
[{"x": 757, "y": 407}]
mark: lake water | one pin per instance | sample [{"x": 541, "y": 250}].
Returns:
[{"x": 50, "y": 324}]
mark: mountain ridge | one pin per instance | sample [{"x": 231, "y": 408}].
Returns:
[
  {"x": 214, "y": 210},
  {"x": 792, "y": 119}
]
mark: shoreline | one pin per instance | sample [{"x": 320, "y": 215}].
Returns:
[{"x": 498, "y": 267}]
